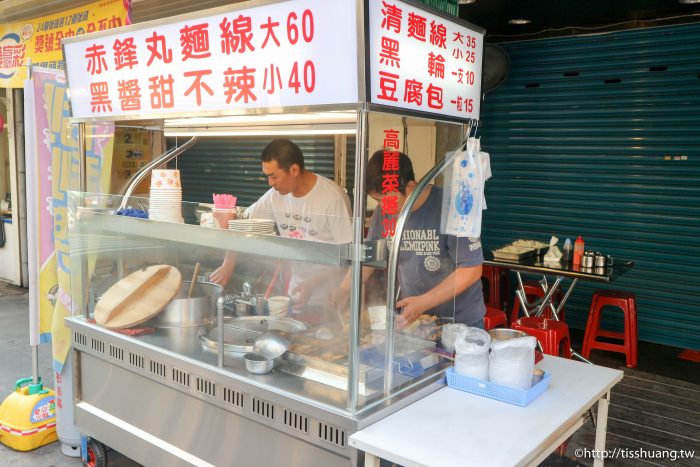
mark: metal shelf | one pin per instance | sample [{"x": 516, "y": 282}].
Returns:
[{"x": 264, "y": 245}]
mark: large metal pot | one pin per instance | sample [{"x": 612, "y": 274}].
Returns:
[{"x": 198, "y": 310}]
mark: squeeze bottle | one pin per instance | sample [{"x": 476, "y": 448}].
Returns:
[
  {"x": 578, "y": 250},
  {"x": 568, "y": 251}
]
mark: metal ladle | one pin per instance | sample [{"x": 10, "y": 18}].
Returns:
[{"x": 271, "y": 344}]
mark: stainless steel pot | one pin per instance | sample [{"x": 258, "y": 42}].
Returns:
[{"x": 200, "y": 309}]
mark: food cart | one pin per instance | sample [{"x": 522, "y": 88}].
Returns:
[{"x": 181, "y": 395}]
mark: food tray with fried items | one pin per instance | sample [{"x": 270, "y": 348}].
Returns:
[
  {"x": 539, "y": 247},
  {"x": 513, "y": 253},
  {"x": 326, "y": 361}
]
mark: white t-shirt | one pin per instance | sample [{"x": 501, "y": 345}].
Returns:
[{"x": 322, "y": 215}]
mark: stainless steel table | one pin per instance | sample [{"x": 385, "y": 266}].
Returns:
[{"x": 560, "y": 272}]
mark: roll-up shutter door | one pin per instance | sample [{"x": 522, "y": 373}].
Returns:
[
  {"x": 599, "y": 136},
  {"x": 228, "y": 165}
]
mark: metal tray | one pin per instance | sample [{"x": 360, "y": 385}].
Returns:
[
  {"x": 539, "y": 247},
  {"x": 513, "y": 253},
  {"x": 335, "y": 373},
  {"x": 240, "y": 333}
]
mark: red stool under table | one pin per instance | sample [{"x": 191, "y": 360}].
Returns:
[
  {"x": 553, "y": 335},
  {"x": 533, "y": 291},
  {"x": 626, "y": 302},
  {"x": 496, "y": 283},
  {"x": 494, "y": 318}
]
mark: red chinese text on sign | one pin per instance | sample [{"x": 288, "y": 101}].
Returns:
[
  {"x": 269, "y": 28},
  {"x": 239, "y": 84},
  {"x": 236, "y": 35},
  {"x": 390, "y": 205},
  {"x": 416, "y": 26},
  {"x": 388, "y": 84},
  {"x": 129, "y": 94},
  {"x": 95, "y": 56},
  {"x": 413, "y": 92},
  {"x": 194, "y": 41},
  {"x": 389, "y": 55},
  {"x": 392, "y": 17},
  {"x": 269, "y": 83},
  {"x": 125, "y": 53},
  {"x": 198, "y": 84},
  {"x": 158, "y": 49},
  {"x": 391, "y": 139},
  {"x": 438, "y": 35},
  {"x": 99, "y": 97},
  {"x": 161, "y": 92}
]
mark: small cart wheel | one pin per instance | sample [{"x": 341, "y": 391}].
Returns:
[{"x": 96, "y": 454}]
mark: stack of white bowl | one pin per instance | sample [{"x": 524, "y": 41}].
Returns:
[
  {"x": 165, "y": 202},
  {"x": 256, "y": 226}
]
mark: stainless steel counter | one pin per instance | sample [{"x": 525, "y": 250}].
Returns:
[{"x": 161, "y": 401}]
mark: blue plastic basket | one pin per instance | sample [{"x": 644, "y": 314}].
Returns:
[{"x": 496, "y": 391}]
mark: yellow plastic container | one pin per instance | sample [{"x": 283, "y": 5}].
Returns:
[{"x": 28, "y": 416}]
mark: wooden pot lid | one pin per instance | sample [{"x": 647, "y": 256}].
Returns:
[{"x": 138, "y": 297}]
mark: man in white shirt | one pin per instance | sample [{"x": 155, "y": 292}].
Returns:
[{"x": 305, "y": 206}]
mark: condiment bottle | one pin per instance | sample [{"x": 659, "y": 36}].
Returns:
[
  {"x": 567, "y": 252},
  {"x": 578, "y": 250}
]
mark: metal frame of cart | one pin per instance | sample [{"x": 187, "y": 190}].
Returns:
[{"x": 231, "y": 417}]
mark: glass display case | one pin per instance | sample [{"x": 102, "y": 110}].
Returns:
[{"x": 348, "y": 358}]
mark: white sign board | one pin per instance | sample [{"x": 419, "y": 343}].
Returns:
[
  {"x": 422, "y": 61},
  {"x": 293, "y": 53}
]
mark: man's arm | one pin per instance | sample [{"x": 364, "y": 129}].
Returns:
[
  {"x": 340, "y": 295},
  {"x": 224, "y": 272},
  {"x": 457, "y": 282}
]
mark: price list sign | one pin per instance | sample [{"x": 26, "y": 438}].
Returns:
[
  {"x": 277, "y": 55},
  {"x": 421, "y": 61}
]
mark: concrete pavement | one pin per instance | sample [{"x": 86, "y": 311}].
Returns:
[{"x": 16, "y": 363}]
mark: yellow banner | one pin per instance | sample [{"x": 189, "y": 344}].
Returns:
[{"x": 40, "y": 38}]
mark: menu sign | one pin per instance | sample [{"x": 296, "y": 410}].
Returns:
[
  {"x": 421, "y": 61},
  {"x": 281, "y": 54}
]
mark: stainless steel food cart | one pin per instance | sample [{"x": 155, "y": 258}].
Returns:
[{"x": 173, "y": 398}]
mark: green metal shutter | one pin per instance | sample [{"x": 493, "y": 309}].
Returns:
[
  {"x": 599, "y": 136},
  {"x": 232, "y": 165}
]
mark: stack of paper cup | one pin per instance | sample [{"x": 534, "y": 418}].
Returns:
[{"x": 166, "y": 196}]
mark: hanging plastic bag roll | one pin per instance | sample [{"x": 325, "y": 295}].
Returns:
[
  {"x": 464, "y": 195},
  {"x": 472, "y": 353}
]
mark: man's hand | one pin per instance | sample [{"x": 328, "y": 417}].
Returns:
[
  {"x": 413, "y": 307},
  {"x": 222, "y": 274},
  {"x": 339, "y": 297},
  {"x": 300, "y": 294}
]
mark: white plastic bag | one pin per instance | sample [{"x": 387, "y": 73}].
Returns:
[
  {"x": 464, "y": 195},
  {"x": 511, "y": 362},
  {"x": 450, "y": 333},
  {"x": 472, "y": 353}
]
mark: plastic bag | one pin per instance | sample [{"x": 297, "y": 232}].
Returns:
[
  {"x": 472, "y": 353},
  {"x": 450, "y": 333},
  {"x": 464, "y": 195},
  {"x": 511, "y": 362},
  {"x": 553, "y": 254}
]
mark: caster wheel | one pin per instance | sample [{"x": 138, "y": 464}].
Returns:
[{"x": 96, "y": 454}]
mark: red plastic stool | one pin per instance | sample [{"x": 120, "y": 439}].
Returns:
[
  {"x": 628, "y": 304},
  {"x": 552, "y": 334},
  {"x": 533, "y": 291},
  {"x": 494, "y": 318},
  {"x": 496, "y": 283}
]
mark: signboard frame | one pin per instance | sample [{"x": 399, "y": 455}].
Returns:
[{"x": 362, "y": 66}]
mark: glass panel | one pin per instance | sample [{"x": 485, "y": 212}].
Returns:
[
  {"x": 402, "y": 150},
  {"x": 280, "y": 284}
]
